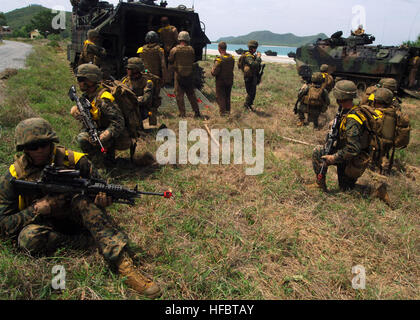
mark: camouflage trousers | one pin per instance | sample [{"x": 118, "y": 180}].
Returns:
[
  {"x": 83, "y": 223},
  {"x": 251, "y": 91},
  {"x": 184, "y": 85},
  {"x": 223, "y": 93},
  {"x": 313, "y": 114},
  {"x": 348, "y": 172},
  {"x": 99, "y": 159}
]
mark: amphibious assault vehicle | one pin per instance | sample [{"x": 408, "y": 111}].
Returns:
[
  {"x": 353, "y": 58},
  {"x": 123, "y": 28}
]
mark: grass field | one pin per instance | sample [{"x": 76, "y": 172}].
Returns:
[{"x": 226, "y": 235}]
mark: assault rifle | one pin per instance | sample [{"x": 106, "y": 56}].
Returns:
[
  {"x": 55, "y": 180},
  {"x": 84, "y": 106},
  {"x": 332, "y": 137},
  {"x": 260, "y": 73}
]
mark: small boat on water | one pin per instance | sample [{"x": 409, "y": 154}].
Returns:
[
  {"x": 270, "y": 53},
  {"x": 240, "y": 51}
]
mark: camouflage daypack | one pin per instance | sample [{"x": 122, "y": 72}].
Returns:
[
  {"x": 314, "y": 97},
  {"x": 402, "y": 130},
  {"x": 128, "y": 104}
]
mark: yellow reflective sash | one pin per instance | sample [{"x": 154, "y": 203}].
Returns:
[
  {"x": 107, "y": 95},
  {"x": 94, "y": 110},
  {"x": 372, "y": 97},
  {"x": 88, "y": 42},
  {"x": 140, "y": 50}
]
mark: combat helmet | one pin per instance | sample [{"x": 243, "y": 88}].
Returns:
[
  {"x": 384, "y": 95},
  {"x": 135, "y": 63},
  {"x": 253, "y": 44},
  {"x": 89, "y": 71},
  {"x": 317, "y": 78},
  {"x": 389, "y": 83},
  {"x": 33, "y": 130},
  {"x": 184, "y": 36},
  {"x": 152, "y": 37},
  {"x": 345, "y": 90},
  {"x": 324, "y": 68},
  {"x": 92, "y": 33}
]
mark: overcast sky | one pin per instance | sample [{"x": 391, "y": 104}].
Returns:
[{"x": 391, "y": 21}]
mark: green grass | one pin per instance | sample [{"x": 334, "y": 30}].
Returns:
[{"x": 226, "y": 235}]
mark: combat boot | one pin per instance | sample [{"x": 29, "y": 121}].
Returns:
[
  {"x": 382, "y": 194},
  {"x": 300, "y": 123},
  {"x": 318, "y": 184},
  {"x": 134, "y": 279}
]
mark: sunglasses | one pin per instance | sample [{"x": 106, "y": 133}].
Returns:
[
  {"x": 36, "y": 146},
  {"x": 81, "y": 79}
]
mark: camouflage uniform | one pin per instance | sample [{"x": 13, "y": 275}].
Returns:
[
  {"x": 312, "y": 111},
  {"x": 182, "y": 58},
  {"x": 91, "y": 52},
  {"x": 251, "y": 68},
  {"x": 153, "y": 58},
  {"x": 223, "y": 71},
  {"x": 352, "y": 150},
  {"x": 329, "y": 82},
  {"x": 388, "y": 83},
  {"x": 414, "y": 67},
  {"x": 146, "y": 88},
  {"x": 77, "y": 223}
]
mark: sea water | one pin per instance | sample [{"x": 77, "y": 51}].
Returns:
[{"x": 281, "y": 51}]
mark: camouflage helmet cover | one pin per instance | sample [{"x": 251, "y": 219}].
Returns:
[
  {"x": 152, "y": 37},
  {"x": 345, "y": 90},
  {"x": 135, "y": 63},
  {"x": 184, "y": 36},
  {"x": 317, "y": 78},
  {"x": 92, "y": 33},
  {"x": 33, "y": 130},
  {"x": 252, "y": 44},
  {"x": 89, "y": 71},
  {"x": 384, "y": 95},
  {"x": 324, "y": 68},
  {"x": 389, "y": 83}
]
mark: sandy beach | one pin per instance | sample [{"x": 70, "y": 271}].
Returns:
[{"x": 264, "y": 57}]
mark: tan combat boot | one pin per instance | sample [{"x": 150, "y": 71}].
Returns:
[
  {"x": 300, "y": 123},
  {"x": 318, "y": 185},
  {"x": 135, "y": 279},
  {"x": 382, "y": 194}
]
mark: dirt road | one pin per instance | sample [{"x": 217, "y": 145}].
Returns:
[{"x": 13, "y": 54}]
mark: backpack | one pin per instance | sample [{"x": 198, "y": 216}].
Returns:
[
  {"x": 402, "y": 130},
  {"x": 127, "y": 102},
  {"x": 241, "y": 62},
  {"x": 314, "y": 97}
]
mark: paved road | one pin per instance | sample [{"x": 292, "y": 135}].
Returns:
[{"x": 13, "y": 54}]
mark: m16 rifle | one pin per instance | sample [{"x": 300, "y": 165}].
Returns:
[
  {"x": 55, "y": 180},
  {"x": 84, "y": 106},
  {"x": 331, "y": 139}
]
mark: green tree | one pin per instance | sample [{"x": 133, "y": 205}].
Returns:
[
  {"x": 43, "y": 22},
  {"x": 3, "y": 20},
  {"x": 413, "y": 43}
]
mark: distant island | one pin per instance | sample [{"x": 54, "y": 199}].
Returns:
[{"x": 274, "y": 39}]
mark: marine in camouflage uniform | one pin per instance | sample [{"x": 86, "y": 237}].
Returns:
[
  {"x": 329, "y": 82},
  {"x": 143, "y": 85},
  {"x": 153, "y": 56},
  {"x": 105, "y": 113},
  {"x": 351, "y": 153},
  {"x": 42, "y": 223},
  {"x": 414, "y": 68},
  {"x": 223, "y": 71},
  {"x": 92, "y": 52},
  {"x": 251, "y": 67},
  {"x": 182, "y": 58},
  {"x": 388, "y": 83},
  {"x": 169, "y": 38},
  {"x": 313, "y": 111}
]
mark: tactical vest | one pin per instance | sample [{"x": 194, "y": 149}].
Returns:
[
  {"x": 328, "y": 83},
  {"x": 22, "y": 170},
  {"x": 150, "y": 54},
  {"x": 184, "y": 60},
  {"x": 242, "y": 65},
  {"x": 88, "y": 57},
  {"x": 227, "y": 64},
  {"x": 102, "y": 93},
  {"x": 355, "y": 114},
  {"x": 168, "y": 37}
]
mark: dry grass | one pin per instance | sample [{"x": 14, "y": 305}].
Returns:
[{"x": 226, "y": 235}]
